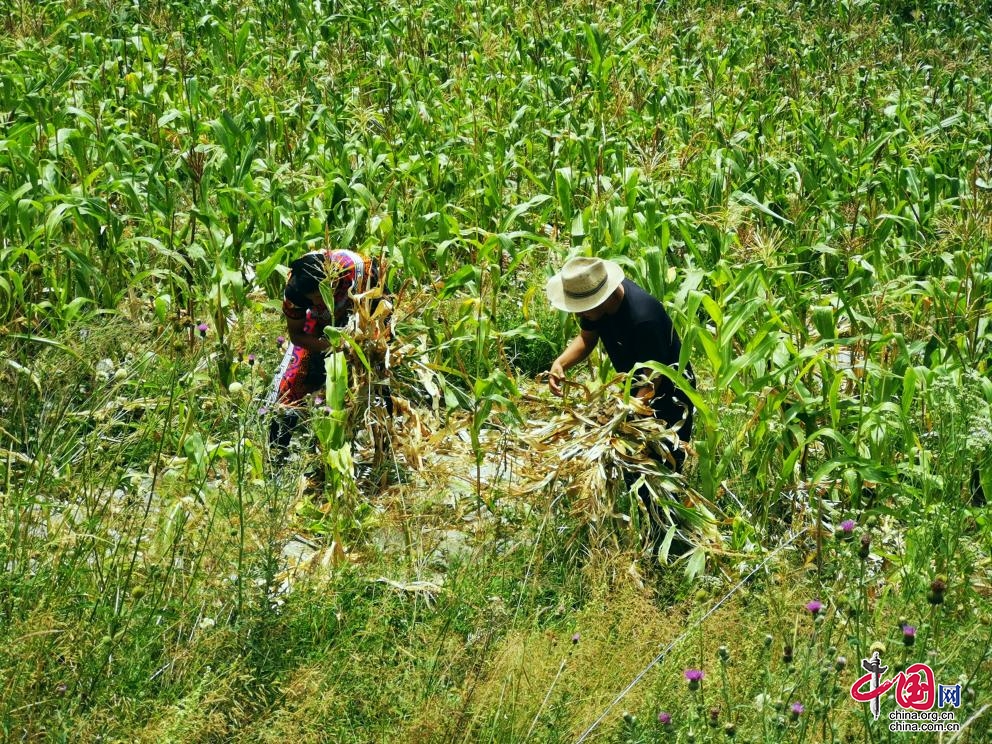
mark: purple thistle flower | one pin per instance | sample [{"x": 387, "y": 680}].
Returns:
[
  {"x": 847, "y": 526},
  {"x": 694, "y": 676},
  {"x": 814, "y": 607},
  {"x": 203, "y": 328},
  {"x": 908, "y": 635},
  {"x": 665, "y": 718},
  {"x": 251, "y": 359},
  {"x": 797, "y": 709},
  {"x": 280, "y": 341},
  {"x": 575, "y": 638},
  {"x": 262, "y": 411}
]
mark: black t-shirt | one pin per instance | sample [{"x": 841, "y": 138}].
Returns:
[{"x": 641, "y": 331}]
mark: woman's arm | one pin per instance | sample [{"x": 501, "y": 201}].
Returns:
[{"x": 301, "y": 338}]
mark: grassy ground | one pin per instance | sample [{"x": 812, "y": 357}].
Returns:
[{"x": 150, "y": 603}]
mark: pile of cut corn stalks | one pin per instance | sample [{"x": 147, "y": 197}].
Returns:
[{"x": 599, "y": 451}]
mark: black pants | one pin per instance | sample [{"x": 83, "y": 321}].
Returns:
[
  {"x": 281, "y": 433},
  {"x": 284, "y": 423},
  {"x": 670, "y": 411}
]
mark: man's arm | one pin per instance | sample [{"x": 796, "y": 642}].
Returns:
[{"x": 577, "y": 350}]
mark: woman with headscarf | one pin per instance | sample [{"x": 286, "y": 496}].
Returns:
[{"x": 307, "y": 315}]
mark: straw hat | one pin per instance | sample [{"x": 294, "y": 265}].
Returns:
[{"x": 583, "y": 283}]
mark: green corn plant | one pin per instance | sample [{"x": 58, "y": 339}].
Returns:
[{"x": 333, "y": 432}]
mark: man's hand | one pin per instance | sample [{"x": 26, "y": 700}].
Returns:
[
  {"x": 578, "y": 349},
  {"x": 646, "y": 393},
  {"x": 556, "y": 377}
]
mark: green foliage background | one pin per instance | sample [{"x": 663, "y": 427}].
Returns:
[{"x": 807, "y": 185}]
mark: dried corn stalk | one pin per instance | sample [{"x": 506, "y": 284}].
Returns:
[
  {"x": 596, "y": 447},
  {"x": 369, "y": 332}
]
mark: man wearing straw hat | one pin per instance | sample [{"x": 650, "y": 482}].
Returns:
[{"x": 634, "y": 329}]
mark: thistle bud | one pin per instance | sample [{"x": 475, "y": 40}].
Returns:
[
  {"x": 865, "y": 550},
  {"x": 937, "y": 588}
]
